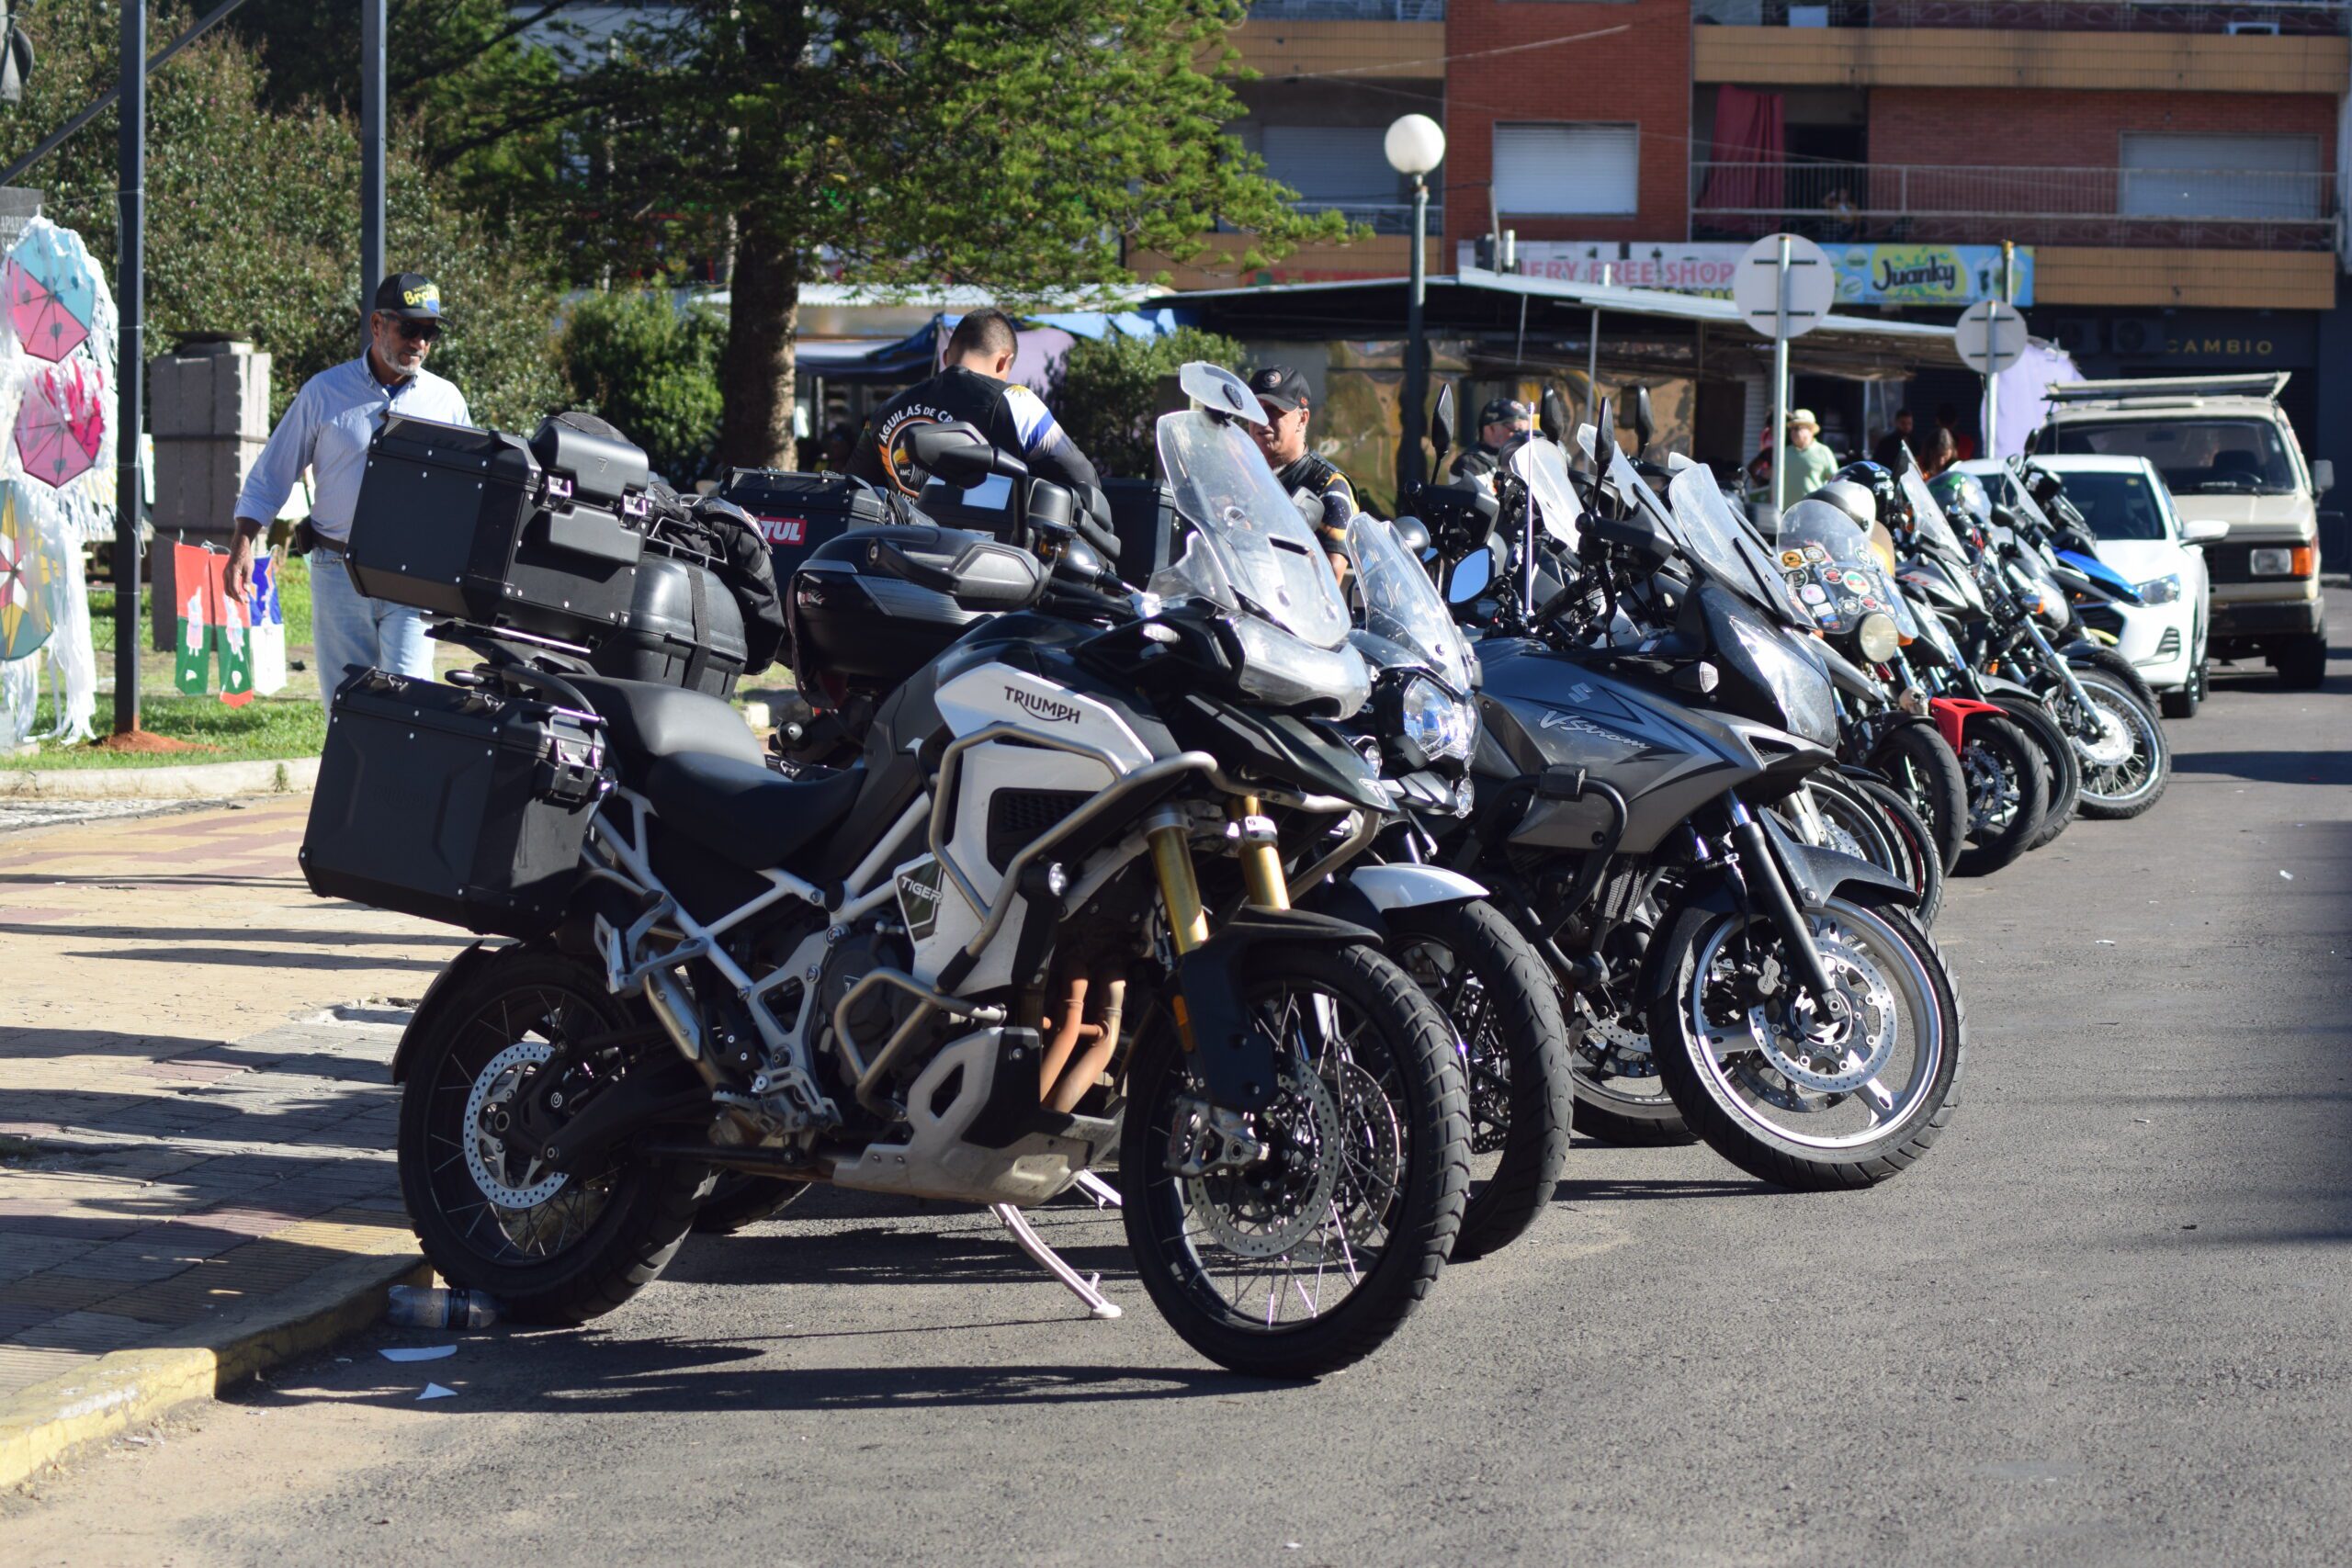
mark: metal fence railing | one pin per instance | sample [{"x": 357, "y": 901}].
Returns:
[
  {"x": 2228, "y": 208},
  {"x": 1348, "y": 10},
  {"x": 2293, "y": 18}
]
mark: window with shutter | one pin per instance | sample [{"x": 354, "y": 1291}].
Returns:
[
  {"x": 1567, "y": 169},
  {"x": 2167, "y": 176}
]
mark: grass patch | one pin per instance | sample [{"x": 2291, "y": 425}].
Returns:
[{"x": 266, "y": 728}]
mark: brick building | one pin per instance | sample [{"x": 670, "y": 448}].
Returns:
[{"x": 2172, "y": 173}]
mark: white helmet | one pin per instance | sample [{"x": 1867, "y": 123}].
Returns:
[{"x": 1854, "y": 500}]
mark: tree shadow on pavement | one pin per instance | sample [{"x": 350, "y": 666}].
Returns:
[{"x": 2269, "y": 767}]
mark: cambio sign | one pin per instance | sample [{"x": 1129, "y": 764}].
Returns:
[{"x": 1867, "y": 274}]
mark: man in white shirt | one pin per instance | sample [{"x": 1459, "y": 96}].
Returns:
[{"x": 327, "y": 429}]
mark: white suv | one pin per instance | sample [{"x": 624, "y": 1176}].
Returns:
[{"x": 2141, "y": 537}]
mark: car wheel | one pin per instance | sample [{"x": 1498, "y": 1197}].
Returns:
[{"x": 2182, "y": 703}]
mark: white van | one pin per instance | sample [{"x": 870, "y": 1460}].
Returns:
[{"x": 2228, "y": 455}]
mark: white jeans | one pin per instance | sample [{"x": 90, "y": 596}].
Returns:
[{"x": 350, "y": 632}]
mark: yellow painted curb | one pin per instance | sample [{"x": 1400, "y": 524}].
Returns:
[{"x": 124, "y": 1389}]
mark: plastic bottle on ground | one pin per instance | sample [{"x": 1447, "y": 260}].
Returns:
[{"x": 420, "y": 1307}]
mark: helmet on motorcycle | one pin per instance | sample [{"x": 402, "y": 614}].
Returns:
[
  {"x": 1962, "y": 497},
  {"x": 1853, "y": 500}
]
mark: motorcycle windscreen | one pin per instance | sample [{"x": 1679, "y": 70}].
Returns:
[
  {"x": 1543, "y": 467},
  {"x": 1269, "y": 555},
  {"x": 1401, "y": 605},
  {"x": 1828, "y": 564},
  {"x": 1703, "y": 521}
]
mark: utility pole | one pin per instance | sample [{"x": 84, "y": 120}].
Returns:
[
  {"x": 371, "y": 148},
  {"x": 131, "y": 361}
]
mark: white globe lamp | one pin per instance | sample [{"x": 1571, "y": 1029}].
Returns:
[{"x": 1415, "y": 145}]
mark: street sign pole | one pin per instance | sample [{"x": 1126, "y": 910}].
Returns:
[
  {"x": 1779, "y": 375},
  {"x": 129, "y": 361},
  {"x": 1989, "y": 338}
]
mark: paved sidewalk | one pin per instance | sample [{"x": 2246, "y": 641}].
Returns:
[{"x": 195, "y": 1115}]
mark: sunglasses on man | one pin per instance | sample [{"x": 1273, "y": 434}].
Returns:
[{"x": 418, "y": 332}]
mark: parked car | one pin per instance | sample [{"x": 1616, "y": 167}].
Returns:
[
  {"x": 2229, "y": 456},
  {"x": 2143, "y": 535}
]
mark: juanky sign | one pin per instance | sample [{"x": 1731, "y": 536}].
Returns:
[{"x": 1867, "y": 274}]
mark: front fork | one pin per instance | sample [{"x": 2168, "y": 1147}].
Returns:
[{"x": 1766, "y": 881}]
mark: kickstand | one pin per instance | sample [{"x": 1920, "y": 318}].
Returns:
[
  {"x": 1105, "y": 1196},
  {"x": 1082, "y": 1286}
]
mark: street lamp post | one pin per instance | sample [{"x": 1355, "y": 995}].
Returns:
[{"x": 1415, "y": 145}]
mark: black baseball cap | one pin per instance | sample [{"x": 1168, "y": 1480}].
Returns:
[
  {"x": 411, "y": 295},
  {"x": 1279, "y": 388},
  {"x": 1504, "y": 411}
]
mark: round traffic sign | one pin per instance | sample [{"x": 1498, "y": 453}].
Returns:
[
  {"x": 1756, "y": 286},
  {"x": 1990, "y": 336}
]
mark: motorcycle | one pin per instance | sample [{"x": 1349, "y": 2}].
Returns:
[{"x": 977, "y": 963}]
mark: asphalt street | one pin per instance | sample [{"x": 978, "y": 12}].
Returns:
[{"x": 2108, "y": 1319}]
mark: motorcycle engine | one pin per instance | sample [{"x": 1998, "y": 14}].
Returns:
[{"x": 881, "y": 1010}]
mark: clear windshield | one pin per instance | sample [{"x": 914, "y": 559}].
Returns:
[
  {"x": 1265, "y": 553},
  {"x": 1543, "y": 467},
  {"x": 1827, "y": 562},
  {"x": 1706, "y": 525},
  {"x": 1934, "y": 528},
  {"x": 1401, "y": 605}
]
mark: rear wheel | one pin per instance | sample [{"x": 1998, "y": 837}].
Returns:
[
  {"x": 1292, "y": 1241},
  {"x": 1927, "y": 772},
  {"x": 1495, "y": 989},
  {"x": 552, "y": 1247},
  {"x": 2302, "y": 664},
  {"x": 2182, "y": 704},
  {"x": 2009, "y": 791}
]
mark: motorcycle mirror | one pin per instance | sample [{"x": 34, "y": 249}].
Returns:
[
  {"x": 1554, "y": 415},
  {"x": 1441, "y": 428},
  {"x": 956, "y": 454},
  {"x": 1645, "y": 427},
  {"x": 1473, "y": 574},
  {"x": 1215, "y": 387}
]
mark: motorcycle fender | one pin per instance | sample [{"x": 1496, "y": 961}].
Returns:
[
  {"x": 1236, "y": 1057},
  {"x": 1815, "y": 874},
  {"x": 2002, "y": 686},
  {"x": 1412, "y": 886},
  {"x": 458, "y": 972},
  {"x": 1951, "y": 714}
]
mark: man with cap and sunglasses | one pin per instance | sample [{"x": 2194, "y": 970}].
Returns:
[
  {"x": 327, "y": 429},
  {"x": 1282, "y": 392},
  {"x": 1502, "y": 422}
]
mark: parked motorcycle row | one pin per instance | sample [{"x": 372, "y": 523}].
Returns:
[{"x": 1296, "y": 898}]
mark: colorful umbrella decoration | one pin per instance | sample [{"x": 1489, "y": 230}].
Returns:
[
  {"x": 61, "y": 422},
  {"x": 50, "y": 290},
  {"x": 27, "y": 572}
]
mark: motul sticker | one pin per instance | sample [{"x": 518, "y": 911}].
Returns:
[
  {"x": 919, "y": 899},
  {"x": 784, "y": 530}
]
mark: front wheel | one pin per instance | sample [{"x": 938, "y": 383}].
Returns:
[
  {"x": 1909, "y": 828},
  {"x": 1923, "y": 768},
  {"x": 1494, "y": 989},
  {"x": 2127, "y": 765},
  {"x": 2302, "y": 664},
  {"x": 1805, "y": 1092},
  {"x": 1292, "y": 1241},
  {"x": 552, "y": 1247},
  {"x": 2008, "y": 792}
]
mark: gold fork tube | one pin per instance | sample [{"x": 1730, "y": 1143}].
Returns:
[
  {"x": 1262, "y": 864},
  {"x": 1172, "y": 861}
]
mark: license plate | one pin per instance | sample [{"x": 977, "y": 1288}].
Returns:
[{"x": 2272, "y": 563}]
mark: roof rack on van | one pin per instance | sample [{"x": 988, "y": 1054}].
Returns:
[{"x": 2259, "y": 384}]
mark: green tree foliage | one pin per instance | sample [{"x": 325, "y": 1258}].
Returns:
[
  {"x": 1023, "y": 145},
  {"x": 253, "y": 216},
  {"x": 652, "y": 369},
  {"x": 1106, "y": 392}
]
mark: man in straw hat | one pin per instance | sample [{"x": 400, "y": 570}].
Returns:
[{"x": 1810, "y": 463}]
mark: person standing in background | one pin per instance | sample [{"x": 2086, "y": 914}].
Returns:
[{"x": 1810, "y": 462}]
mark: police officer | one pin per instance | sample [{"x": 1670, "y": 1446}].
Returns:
[
  {"x": 1282, "y": 392},
  {"x": 1500, "y": 422},
  {"x": 972, "y": 387}
]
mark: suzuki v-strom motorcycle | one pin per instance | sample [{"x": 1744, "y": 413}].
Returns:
[
  {"x": 977, "y": 963},
  {"x": 1637, "y": 722}
]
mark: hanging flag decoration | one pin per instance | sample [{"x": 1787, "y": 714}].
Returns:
[
  {"x": 61, "y": 422},
  {"x": 51, "y": 288},
  {"x": 212, "y": 629},
  {"x": 266, "y": 641},
  {"x": 30, "y": 576}
]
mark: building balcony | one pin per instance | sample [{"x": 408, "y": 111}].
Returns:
[
  {"x": 1894, "y": 204},
  {"x": 2267, "y": 18},
  {"x": 1347, "y": 10}
]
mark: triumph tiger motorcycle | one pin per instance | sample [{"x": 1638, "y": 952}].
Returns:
[
  {"x": 979, "y": 962},
  {"x": 1648, "y": 701}
]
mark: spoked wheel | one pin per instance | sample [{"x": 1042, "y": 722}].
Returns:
[
  {"x": 1855, "y": 819},
  {"x": 2008, "y": 790},
  {"x": 1909, "y": 829},
  {"x": 2127, "y": 765},
  {"x": 1292, "y": 1241},
  {"x": 1923, "y": 770},
  {"x": 554, "y": 1248},
  {"x": 1493, "y": 988},
  {"x": 1620, "y": 1097},
  {"x": 2059, "y": 760},
  {"x": 1806, "y": 1092}
]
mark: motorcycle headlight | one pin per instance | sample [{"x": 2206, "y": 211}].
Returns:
[
  {"x": 1877, "y": 637},
  {"x": 1432, "y": 721},
  {"x": 2159, "y": 590}
]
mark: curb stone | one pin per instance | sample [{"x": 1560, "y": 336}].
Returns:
[
  {"x": 196, "y": 781},
  {"x": 53, "y": 1420}
]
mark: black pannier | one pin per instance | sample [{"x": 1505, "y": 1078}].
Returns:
[
  {"x": 684, "y": 628},
  {"x": 800, "y": 511},
  {"x": 462, "y": 804},
  {"x": 479, "y": 525}
]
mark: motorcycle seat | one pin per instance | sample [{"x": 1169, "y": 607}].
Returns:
[
  {"x": 743, "y": 810},
  {"x": 650, "y": 721}
]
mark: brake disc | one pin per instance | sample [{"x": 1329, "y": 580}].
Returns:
[
  {"x": 1268, "y": 1208},
  {"x": 1831, "y": 1046},
  {"x": 487, "y": 1159},
  {"x": 2113, "y": 747}
]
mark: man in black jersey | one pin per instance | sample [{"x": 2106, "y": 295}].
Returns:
[
  {"x": 1281, "y": 391},
  {"x": 1500, "y": 422},
  {"x": 971, "y": 387}
]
